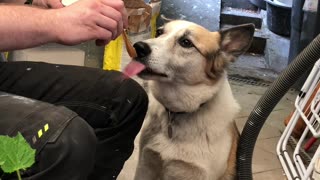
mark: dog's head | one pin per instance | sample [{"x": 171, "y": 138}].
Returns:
[{"x": 188, "y": 53}]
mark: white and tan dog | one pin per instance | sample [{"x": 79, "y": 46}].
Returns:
[{"x": 189, "y": 132}]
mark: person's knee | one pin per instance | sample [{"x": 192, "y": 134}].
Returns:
[
  {"x": 135, "y": 99},
  {"x": 136, "y": 92},
  {"x": 72, "y": 155},
  {"x": 132, "y": 90},
  {"x": 81, "y": 141}
]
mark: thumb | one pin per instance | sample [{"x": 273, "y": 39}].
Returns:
[{"x": 55, "y": 4}]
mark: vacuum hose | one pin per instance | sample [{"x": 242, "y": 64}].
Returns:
[{"x": 267, "y": 102}]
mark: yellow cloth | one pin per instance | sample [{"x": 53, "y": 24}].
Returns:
[{"x": 113, "y": 54}]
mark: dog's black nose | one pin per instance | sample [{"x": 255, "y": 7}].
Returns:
[{"x": 142, "y": 49}]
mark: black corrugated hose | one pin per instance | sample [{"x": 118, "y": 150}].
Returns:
[{"x": 267, "y": 102}]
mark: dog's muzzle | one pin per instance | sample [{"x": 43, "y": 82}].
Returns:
[{"x": 142, "y": 49}]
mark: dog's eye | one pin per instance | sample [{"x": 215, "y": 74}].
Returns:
[
  {"x": 186, "y": 43},
  {"x": 159, "y": 32}
]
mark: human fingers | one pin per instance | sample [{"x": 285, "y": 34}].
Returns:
[
  {"x": 48, "y": 3},
  {"x": 55, "y": 4},
  {"x": 125, "y": 18},
  {"x": 116, "y": 16},
  {"x": 105, "y": 37},
  {"x": 108, "y": 24},
  {"x": 107, "y": 29},
  {"x": 119, "y": 6}
]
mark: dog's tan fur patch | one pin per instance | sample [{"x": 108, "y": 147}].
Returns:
[{"x": 200, "y": 143}]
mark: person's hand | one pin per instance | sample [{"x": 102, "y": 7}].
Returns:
[
  {"x": 48, "y": 3},
  {"x": 100, "y": 20}
]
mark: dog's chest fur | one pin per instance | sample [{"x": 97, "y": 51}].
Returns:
[{"x": 202, "y": 138}]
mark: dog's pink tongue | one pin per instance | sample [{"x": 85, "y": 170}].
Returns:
[{"x": 133, "y": 68}]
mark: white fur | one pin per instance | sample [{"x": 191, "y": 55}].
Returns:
[
  {"x": 202, "y": 137},
  {"x": 205, "y": 140}
]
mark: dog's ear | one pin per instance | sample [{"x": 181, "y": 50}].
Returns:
[
  {"x": 236, "y": 40},
  {"x": 233, "y": 42}
]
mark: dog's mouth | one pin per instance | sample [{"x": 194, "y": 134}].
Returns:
[{"x": 150, "y": 72}]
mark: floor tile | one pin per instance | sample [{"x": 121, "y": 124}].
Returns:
[
  {"x": 269, "y": 145},
  {"x": 266, "y": 132},
  {"x": 264, "y": 161},
  {"x": 276, "y": 174},
  {"x": 240, "y": 122}
]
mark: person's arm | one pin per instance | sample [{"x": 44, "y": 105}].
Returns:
[
  {"x": 13, "y": 1},
  {"x": 24, "y": 27},
  {"x": 40, "y": 3}
]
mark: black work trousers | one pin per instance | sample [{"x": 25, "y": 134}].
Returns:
[{"x": 95, "y": 145}]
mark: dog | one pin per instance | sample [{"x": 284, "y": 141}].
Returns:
[{"x": 189, "y": 132}]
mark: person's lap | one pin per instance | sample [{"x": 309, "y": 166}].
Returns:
[{"x": 111, "y": 104}]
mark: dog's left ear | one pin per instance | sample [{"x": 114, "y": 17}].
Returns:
[
  {"x": 233, "y": 42},
  {"x": 236, "y": 40}
]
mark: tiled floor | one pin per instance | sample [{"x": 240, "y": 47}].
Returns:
[{"x": 266, "y": 165}]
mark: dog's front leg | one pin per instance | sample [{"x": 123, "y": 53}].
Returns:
[
  {"x": 181, "y": 170},
  {"x": 229, "y": 177},
  {"x": 149, "y": 165}
]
